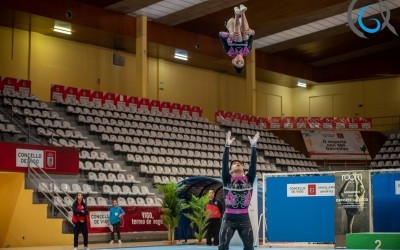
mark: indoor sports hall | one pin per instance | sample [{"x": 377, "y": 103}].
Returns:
[{"x": 199, "y": 124}]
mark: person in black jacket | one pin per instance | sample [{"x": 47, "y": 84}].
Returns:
[
  {"x": 238, "y": 189},
  {"x": 79, "y": 219},
  {"x": 216, "y": 210},
  {"x": 238, "y": 41}
]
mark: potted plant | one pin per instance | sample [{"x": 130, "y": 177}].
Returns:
[
  {"x": 171, "y": 207},
  {"x": 199, "y": 216}
]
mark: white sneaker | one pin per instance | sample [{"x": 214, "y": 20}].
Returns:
[
  {"x": 87, "y": 248},
  {"x": 111, "y": 242},
  {"x": 119, "y": 241},
  {"x": 242, "y": 8},
  {"x": 75, "y": 248},
  {"x": 237, "y": 10}
]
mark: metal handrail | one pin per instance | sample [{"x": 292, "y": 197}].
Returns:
[{"x": 35, "y": 178}]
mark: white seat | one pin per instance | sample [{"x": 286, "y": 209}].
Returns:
[
  {"x": 87, "y": 189},
  {"x": 55, "y": 188},
  {"x": 108, "y": 190},
  {"x": 43, "y": 187},
  {"x": 122, "y": 201},
  {"x": 165, "y": 179},
  {"x": 157, "y": 179},
  {"x": 66, "y": 188},
  {"x": 150, "y": 202},
  {"x": 101, "y": 201},
  {"x": 126, "y": 190},
  {"x": 76, "y": 188},
  {"x": 131, "y": 201},
  {"x": 68, "y": 201},
  {"x": 117, "y": 167},
  {"x": 158, "y": 202},
  {"x": 131, "y": 178},
  {"x": 58, "y": 201},
  {"x": 140, "y": 201},
  {"x": 145, "y": 191},
  {"x": 136, "y": 191}
]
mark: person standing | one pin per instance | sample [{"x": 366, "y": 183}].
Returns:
[
  {"x": 238, "y": 188},
  {"x": 79, "y": 219},
  {"x": 215, "y": 208},
  {"x": 115, "y": 218}
]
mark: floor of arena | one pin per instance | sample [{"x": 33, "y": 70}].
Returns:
[{"x": 163, "y": 245}]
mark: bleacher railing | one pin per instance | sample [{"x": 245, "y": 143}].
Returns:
[{"x": 37, "y": 176}]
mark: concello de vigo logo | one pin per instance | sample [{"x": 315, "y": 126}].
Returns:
[{"x": 380, "y": 23}]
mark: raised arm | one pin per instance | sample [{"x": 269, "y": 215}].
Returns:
[
  {"x": 253, "y": 158},
  {"x": 225, "y": 159}
]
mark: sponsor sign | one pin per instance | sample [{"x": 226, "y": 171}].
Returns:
[{"x": 310, "y": 189}]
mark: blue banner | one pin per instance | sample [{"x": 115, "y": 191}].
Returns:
[
  {"x": 300, "y": 209},
  {"x": 386, "y": 202}
]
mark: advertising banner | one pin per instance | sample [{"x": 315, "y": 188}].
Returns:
[
  {"x": 24, "y": 87},
  {"x": 57, "y": 93},
  {"x": 61, "y": 160},
  {"x": 386, "y": 201},
  {"x": 353, "y": 204},
  {"x": 335, "y": 145},
  {"x": 298, "y": 207},
  {"x": 136, "y": 219}
]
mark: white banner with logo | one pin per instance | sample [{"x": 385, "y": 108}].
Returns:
[
  {"x": 310, "y": 189},
  {"x": 35, "y": 157},
  {"x": 397, "y": 187},
  {"x": 335, "y": 145}
]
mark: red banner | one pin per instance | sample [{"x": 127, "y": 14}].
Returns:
[
  {"x": 133, "y": 103},
  {"x": 121, "y": 101},
  {"x": 8, "y": 85},
  {"x": 301, "y": 123},
  {"x": 84, "y": 96},
  {"x": 109, "y": 99},
  {"x": 97, "y": 98},
  {"x": 57, "y": 93},
  {"x": 24, "y": 87},
  {"x": 136, "y": 219},
  {"x": 58, "y": 160},
  {"x": 296, "y": 122},
  {"x": 166, "y": 107},
  {"x": 288, "y": 122},
  {"x": 274, "y": 122},
  {"x": 196, "y": 111},
  {"x": 71, "y": 94}
]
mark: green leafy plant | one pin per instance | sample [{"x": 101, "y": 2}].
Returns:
[
  {"x": 199, "y": 215},
  {"x": 171, "y": 207}
]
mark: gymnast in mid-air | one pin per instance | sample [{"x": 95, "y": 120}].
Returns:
[{"x": 238, "y": 40}]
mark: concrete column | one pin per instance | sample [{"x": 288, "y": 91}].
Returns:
[
  {"x": 141, "y": 56},
  {"x": 251, "y": 82}
]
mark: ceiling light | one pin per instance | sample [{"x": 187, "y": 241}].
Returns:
[
  {"x": 62, "y": 27},
  {"x": 181, "y": 54},
  {"x": 302, "y": 84},
  {"x": 68, "y": 32},
  {"x": 181, "y": 57}
]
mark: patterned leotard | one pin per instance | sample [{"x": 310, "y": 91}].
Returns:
[{"x": 238, "y": 189}]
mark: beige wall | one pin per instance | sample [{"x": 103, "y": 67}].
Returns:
[
  {"x": 60, "y": 61},
  {"x": 23, "y": 223}
]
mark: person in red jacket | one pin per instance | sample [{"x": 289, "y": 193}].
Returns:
[
  {"x": 79, "y": 219},
  {"x": 215, "y": 208}
]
